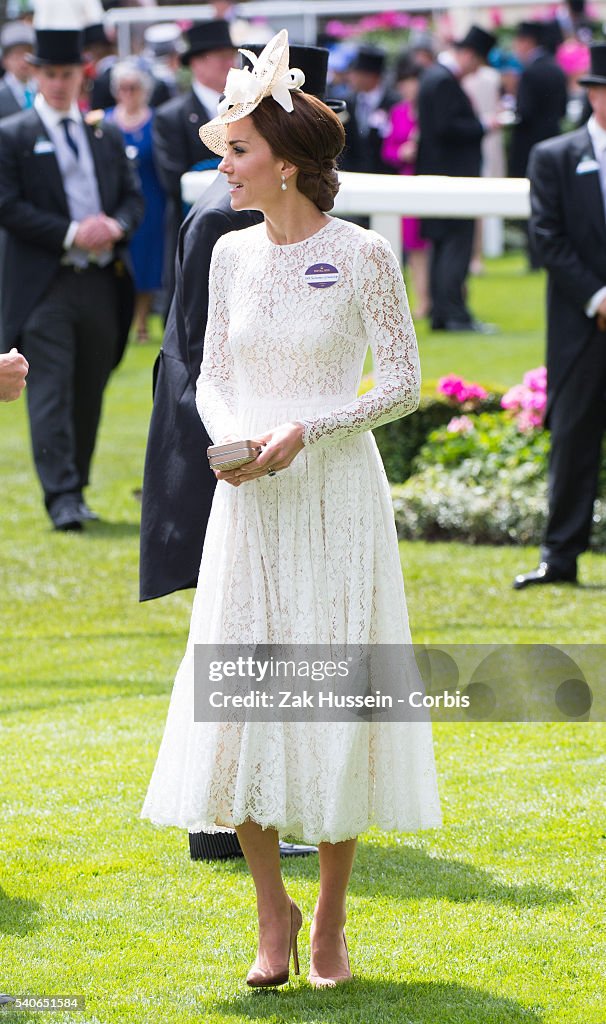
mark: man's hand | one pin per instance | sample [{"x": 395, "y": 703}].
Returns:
[
  {"x": 98, "y": 234},
  {"x": 13, "y": 371}
]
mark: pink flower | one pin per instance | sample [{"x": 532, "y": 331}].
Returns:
[
  {"x": 459, "y": 390},
  {"x": 473, "y": 392},
  {"x": 534, "y": 400},
  {"x": 460, "y": 425},
  {"x": 450, "y": 385},
  {"x": 512, "y": 399},
  {"x": 340, "y": 29},
  {"x": 528, "y": 420},
  {"x": 536, "y": 379}
]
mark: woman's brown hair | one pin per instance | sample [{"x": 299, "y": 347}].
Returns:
[{"x": 310, "y": 137}]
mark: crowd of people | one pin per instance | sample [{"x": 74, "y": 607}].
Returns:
[
  {"x": 298, "y": 544},
  {"x": 437, "y": 109}
]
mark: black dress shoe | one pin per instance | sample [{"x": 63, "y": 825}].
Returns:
[
  {"x": 87, "y": 513},
  {"x": 296, "y": 849},
  {"x": 545, "y": 573},
  {"x": 473, "y": 326},
  {"x": 66, "y": 515}
]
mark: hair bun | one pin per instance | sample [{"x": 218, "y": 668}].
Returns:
[{"x": 310, "y": 137}]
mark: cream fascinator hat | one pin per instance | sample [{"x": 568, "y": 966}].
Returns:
[{"x": 244, "y": 89}]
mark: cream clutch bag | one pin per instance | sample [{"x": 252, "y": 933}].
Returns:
[{"x": 232, "y": 455}]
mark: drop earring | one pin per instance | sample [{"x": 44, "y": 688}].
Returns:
[{"x": 283, "y": 186}]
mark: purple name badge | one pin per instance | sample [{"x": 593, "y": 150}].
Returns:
[{"x": 322, "y": 275}]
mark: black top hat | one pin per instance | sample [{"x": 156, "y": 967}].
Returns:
[
  {"x": 478, "y": 40},
  {"x": 597, "y": 70},
  {"x": 96, "y": 34},
  {"x": 207, "y": 36},
  {"x": 312, "y": 61},
  {"x": 370, "y": 58},
  {"x": 531, "y": 30},
  {"x": 407, "y": 67},
  {"x": 57, "y": 46}
]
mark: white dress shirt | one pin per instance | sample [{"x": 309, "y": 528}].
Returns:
[
  {"x": 208, "y": 97},
  {"x": 78, "y": 174}
]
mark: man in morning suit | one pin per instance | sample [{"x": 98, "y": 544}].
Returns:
[
  {"x": 69, "y": 200},
  {"x": 568, "y": 228},
  {"x": 450, "y": 136},
  {"x": 368, "y": 106},
  {"x": 541, "y": 97},
  {"x": 17, "y": 89},
  {"x": 178, "y": 485},
  {"x": 177, "y": 146}
]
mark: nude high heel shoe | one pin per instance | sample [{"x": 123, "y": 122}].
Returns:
[
  {"x": 261, "y": 977},
  {"x": 319, "y": 981}
]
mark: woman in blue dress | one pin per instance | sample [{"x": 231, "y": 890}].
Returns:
[{"x": 132, "y": 87}]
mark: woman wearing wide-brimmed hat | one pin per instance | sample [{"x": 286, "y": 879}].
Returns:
[{"x": 301, "y": 547}]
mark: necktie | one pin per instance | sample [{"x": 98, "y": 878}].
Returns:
[
  {"x": 29, "y": 97},
  {"x": 66, "y": 123}
]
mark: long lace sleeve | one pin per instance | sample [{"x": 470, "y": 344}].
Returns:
[
  {"x": 383, "y": 306},
  {"x": 215, "y": 387}
]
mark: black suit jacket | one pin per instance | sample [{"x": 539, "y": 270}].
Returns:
[
  {"x": 540, "y": 107},
  {"x": 177, "y": 145},
  {"x": 362, "y": 153},
  {"x": 35, "y": 213},
  {"x": 178, "y": 485},
  {"x": 177, "y": 149},
  {"x": 8, "y": 103},
  {"x": 568, "y": 229},
  {"x": 450, "y": 134}
]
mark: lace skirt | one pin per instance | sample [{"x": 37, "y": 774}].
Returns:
[{"x": 307, "y": 556}]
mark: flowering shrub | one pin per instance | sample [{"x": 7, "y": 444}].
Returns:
[
  {"x": 528, "y": 400},
  {"x": 461, "y": 392},
  {"x": 487, "y": 444},
  {"x": 386, "y": 21},
  {"x": 399, "y": 441},
  {"x": 482, "y": 478}
]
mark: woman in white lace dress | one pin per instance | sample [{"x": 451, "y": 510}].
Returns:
[{"x": 301, "y": 545}]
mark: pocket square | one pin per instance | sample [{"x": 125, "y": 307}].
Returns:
[
  {"x": 43, "y": 146},
  {"x": 586, "y": 166}
]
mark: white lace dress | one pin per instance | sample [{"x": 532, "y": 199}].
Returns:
[{"x": 309, "y": 555}]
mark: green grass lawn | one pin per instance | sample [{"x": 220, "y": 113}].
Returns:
[{"x": 497, "y": 918}]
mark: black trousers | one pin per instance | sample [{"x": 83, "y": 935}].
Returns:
[
  {"x": 577, "y": 423},
  {"x": 70, "y": 341},
  {"x": 448, "y": 269}
]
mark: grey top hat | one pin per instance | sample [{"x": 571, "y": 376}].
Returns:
[{"x": 16, "y": 33}]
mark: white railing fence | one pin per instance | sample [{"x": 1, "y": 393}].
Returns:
[{"x": 385, "y": 198}]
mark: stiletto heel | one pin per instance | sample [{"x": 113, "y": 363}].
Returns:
[{"x": 262, "y": 977}]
